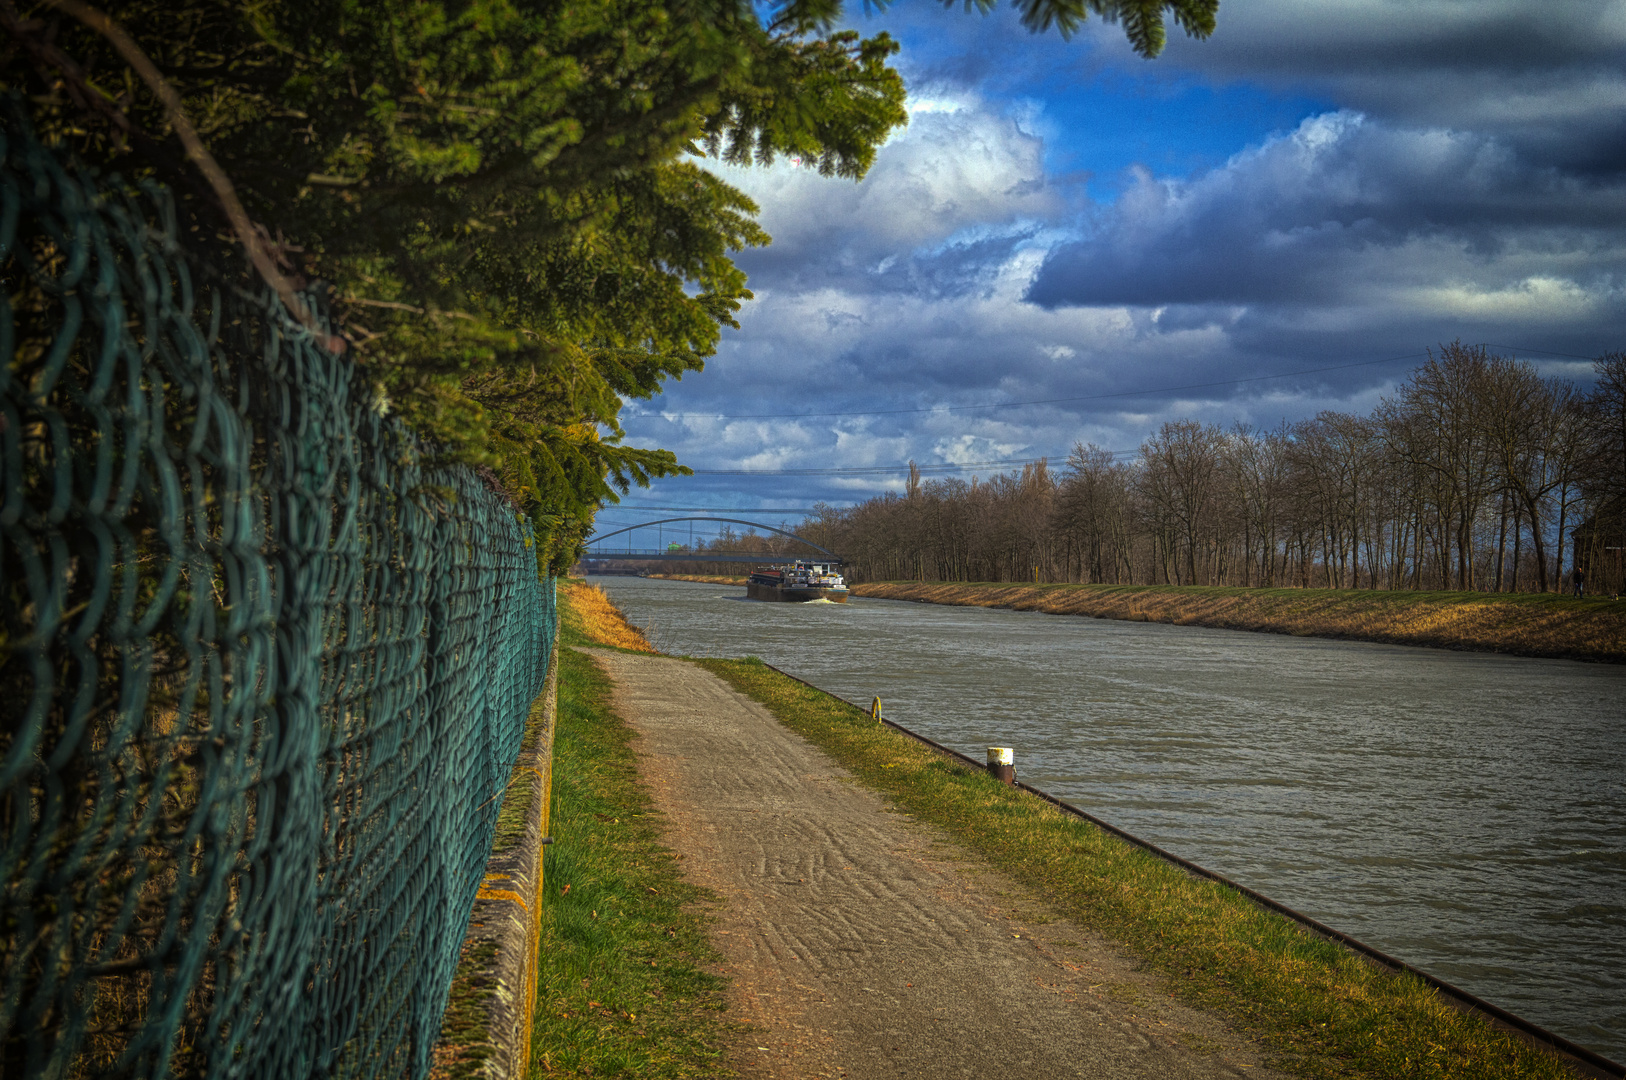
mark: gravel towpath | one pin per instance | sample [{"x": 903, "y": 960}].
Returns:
[{"x": 863, "y": 943}]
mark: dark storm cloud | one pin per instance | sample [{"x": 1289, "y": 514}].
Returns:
[
  {"x": 1345, "y": 209},
  {"x": 1546, "y": 78},
  {"x": 1358, "y": 38}
]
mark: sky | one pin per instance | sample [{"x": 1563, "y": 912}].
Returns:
[{"x": 1070, "y": 244}]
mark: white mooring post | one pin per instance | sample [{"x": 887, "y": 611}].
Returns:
[{"x": 1002, "y": 763}]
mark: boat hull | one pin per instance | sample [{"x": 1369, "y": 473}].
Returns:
[{"x": 757, "y": 591}]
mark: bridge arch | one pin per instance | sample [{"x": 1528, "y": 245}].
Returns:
[{"x": 595, "y": 538}]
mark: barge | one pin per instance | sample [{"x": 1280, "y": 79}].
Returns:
[{"x": 796, "y": 582}]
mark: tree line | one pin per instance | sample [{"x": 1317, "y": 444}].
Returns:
[{"x": 1476, "y": 474}]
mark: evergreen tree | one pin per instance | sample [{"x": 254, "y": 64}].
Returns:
[{"x": 507, "y": 197}]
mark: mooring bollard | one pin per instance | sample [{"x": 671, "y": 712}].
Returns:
[{"x": 1002, "y": 763}]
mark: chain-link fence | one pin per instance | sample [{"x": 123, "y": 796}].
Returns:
[{"x": 264, "y": 667}]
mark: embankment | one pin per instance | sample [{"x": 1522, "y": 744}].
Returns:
[
  {"x": 587, "y": 616},
  {"x": 1521, "y": 624},
  {"x": 1315, "y": 1007},
  {"x": 704, "y": 579}
]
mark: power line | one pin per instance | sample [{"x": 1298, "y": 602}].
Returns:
[
  {"x": 858, "y": 470},
  {"x": 1019, "y": 404},
  {"x": 865, "y": 470},
  {"x": 951, "y": 467},
  {"x": 1539, "y": 352},
  {"x": 1085, "y": 397},
  {"x": 712, "y": 509}
]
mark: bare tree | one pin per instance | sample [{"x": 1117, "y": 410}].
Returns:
[
  {"x": 1472, "y": 450},
  {"x": 1182, "y": 477},
  {"x": 1531, "y": 428},
  {"x": 1091, "y": 512}
]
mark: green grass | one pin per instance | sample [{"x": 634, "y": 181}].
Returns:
[
  {"x": 622, "y": 988},
  {"x": 1319, "y": 1009}
]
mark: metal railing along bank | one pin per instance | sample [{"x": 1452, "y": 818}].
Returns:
[{"x": 264, "y": 666}]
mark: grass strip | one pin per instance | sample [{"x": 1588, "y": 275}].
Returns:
[
  {"x": 622, "y": 988},
  {"x": 1322, "y": 1010},
  {"x": 1524, "y": 624}
]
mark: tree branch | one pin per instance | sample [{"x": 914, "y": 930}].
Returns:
[{"x": 101, "y": 23}]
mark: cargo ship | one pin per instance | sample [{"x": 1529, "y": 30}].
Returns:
[{"x": 797, "y": 582}]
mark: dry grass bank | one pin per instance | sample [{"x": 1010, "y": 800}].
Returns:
[
  {"x": 1522, "y": 624},
  {"x": 589, "y": 617},
  {"x": 706, "y": 579}
]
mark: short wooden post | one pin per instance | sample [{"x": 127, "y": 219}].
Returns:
[{"x": 1002, "y": 763}]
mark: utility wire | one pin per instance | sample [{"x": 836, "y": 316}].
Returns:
[
  {"x": 947, "y": 467},
  {"x": 862, "y": 470},
  {"x": 712, "y": 509},
  {"x": 1539, "y": 352},
  {"x": 1084, "y": 397},
  {"x": 1018, "y": 404}
]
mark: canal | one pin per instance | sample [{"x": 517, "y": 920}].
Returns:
[{"x": 1465, "y": 812}]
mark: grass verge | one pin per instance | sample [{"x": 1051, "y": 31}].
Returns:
[
  {"x": 1318, "y": 1007},
  {"x": 1524, "y": 624},
  {"x": 622, "y": 988}
]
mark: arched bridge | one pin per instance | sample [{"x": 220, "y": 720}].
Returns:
[{"x": 658, "y": 555}]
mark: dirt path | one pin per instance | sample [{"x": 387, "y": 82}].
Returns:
[{"x": 861, "y": 942}]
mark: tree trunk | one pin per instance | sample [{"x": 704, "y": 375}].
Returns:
[
  {"x": 1563, "y": 511},
  {"x": 1535, "y": 538},
  {"x": 1517, "y": 544},
  {"x": 1501, "y": 541}
]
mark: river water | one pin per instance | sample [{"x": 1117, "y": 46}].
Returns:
[{"x": 1465, "y": 812}]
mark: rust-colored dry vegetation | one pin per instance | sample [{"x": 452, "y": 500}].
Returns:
[
  {"x": 1525, "y": 624},
  {"x": 589, "y": 617},
  {"x": 704, "y": 579}
]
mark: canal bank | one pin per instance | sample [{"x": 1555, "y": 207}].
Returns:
[
  {"x": 1462, "y": 811},
  {"x": 1317, "y": 1007},
  {"x": 885, "y": 912},
  {"x": 1518, "y": 624}
]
